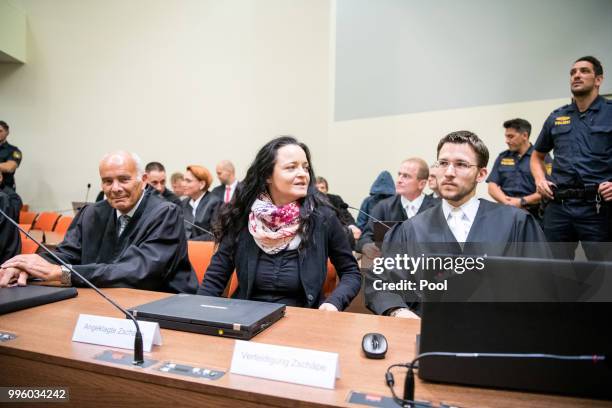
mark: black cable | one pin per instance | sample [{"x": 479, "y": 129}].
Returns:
[{"x": 408, "y": 400}]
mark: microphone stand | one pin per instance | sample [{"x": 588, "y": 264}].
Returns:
[
  {"x": 200, "y": 228},
  {"x": 138, "y": 347}
]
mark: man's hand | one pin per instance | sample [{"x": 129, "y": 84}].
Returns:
[
  {"x": 371, "y": 250},
  {"x": 543, "y": 187},
  {"x": 329, "y": 307},
  {"x": 513, "y": 201},
  {"x": 12, "y": 276},
  {"x": 35, "y": 266},
  {"x": 356, "y": 231},
  {"x": 605, "y": 189}
]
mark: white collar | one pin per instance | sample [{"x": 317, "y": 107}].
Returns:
[
  {"x": 469, "y": 208},
  {"x": 133, "y": 210},
  {"x": 416, "y": 202},
  {"x": 195, "y": 203}
]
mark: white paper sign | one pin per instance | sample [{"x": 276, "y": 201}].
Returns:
[
  {"x": 114, "y": 332},
  {"x": 288, "y": 364}
]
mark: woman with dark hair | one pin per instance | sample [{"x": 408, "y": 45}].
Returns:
[
  {"x": 200, "y": 207},
  {"x": 277, "y": 233}
]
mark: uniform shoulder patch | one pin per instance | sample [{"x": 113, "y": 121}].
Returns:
[
  {"x": 548, "y": 167},
  {"x": 17, "y": 154}
]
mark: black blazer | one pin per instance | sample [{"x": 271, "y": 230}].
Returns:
[
  {"x": 390, "y": 209},
  {"x": 328, "y": 240},
  {"x": 219, "y": 191},
  {"x": 205, "y": 215}
]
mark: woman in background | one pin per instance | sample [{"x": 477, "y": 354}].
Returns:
[
  {"x": 277, "y": 234},
  {"x": 200, "y": 207}
]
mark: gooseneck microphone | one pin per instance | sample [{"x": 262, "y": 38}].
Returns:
[
  {"x": 408, "y": 398},
  {"x": 138, "y": 348},
  {"x": 198, "y": 227},
  {"x": 345, "y": 205},
  {"x": 87, "y": 194}
]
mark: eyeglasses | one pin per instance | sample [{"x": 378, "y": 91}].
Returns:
[{"x": 459, "y": 166}]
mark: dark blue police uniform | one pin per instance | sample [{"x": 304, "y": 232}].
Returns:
[
  {"x": 9, "y": 152},
  {"x": 582, "y": 144},
  {"x": 512, "y": 173}
]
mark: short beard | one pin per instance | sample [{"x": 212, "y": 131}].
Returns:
[{"x": 582, "y": 92}]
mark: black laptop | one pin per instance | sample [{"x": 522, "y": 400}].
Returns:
[
  {"x": 218, "y": 316},
  {"x": 563, "y": 327},
  {"x": 24, "y": 297}
]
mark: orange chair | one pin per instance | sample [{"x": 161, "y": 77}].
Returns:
[
  {"x": 46, "y": 221},
  {"x": 27, "y": 245},
  {"x": 25, "y": 207},
  {"x": 331, "y": 280},
  {"x": 26, "y": 227},
  {"x": 233, "y": 285},
  {"x": 27, "y": 217},
  {"x": 62, "y": 224},
  {"x": 200, "y": 254}
]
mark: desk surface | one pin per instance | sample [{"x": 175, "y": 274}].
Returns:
[{"x": 44, "y": 344}]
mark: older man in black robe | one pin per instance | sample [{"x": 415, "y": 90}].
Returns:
[{"x": 133, "y": 239}]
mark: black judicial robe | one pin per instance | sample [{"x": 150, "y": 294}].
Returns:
[
  {"x": 205, "y": 215},
  {"x": 151, "y": 253},
  {"x": 10, "y": 242},
  {"x": 390, "y": 209},
  {"x": 497, "y": 230},
  {"x": 14, "y": 202}
]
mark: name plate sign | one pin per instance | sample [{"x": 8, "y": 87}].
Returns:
[
  {"x": 287, "y": 364},
  {"x": 114, "y": 332}
]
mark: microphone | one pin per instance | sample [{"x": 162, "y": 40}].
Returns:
[
  {"x": 200, "y": 228},
  {"x": 408, "y": 397},
  {"x": 87, "y": 194},
  {"x": 138, "y": 347},
  {"x": 345, "y": 206}
]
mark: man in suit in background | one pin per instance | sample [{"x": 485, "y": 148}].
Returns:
[
  {"x": 460, "y": 224},
  {"x": 409, "y": 201},
  {"x": 156, "y": 178},
  {"x": 226, "y": 173},
  {"x": 133, "y": 239}
]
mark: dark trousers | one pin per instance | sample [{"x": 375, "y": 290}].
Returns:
[{"x": 573, "y": 220}]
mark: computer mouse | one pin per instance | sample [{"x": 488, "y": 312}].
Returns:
[{"x": 374, "y": 345}]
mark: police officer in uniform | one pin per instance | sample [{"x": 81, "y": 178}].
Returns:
[
  {"x": 580, "y": 134},
  {"x": 10, "y": 157},
  {"x": 510, "y": 181}
]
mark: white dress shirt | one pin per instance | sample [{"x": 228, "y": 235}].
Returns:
[
  {"x": 460, "y": 219},
  {"x": 412, "y": 207},
  {"x": 194, "y": 205}
]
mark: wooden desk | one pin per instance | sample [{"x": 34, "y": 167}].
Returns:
[{"x": 43, "y": 354}]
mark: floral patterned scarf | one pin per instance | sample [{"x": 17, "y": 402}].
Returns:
[{"x": 274, "y": 228}]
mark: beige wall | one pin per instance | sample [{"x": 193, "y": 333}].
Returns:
[
  {"x": 182, "y": 82},
  {"x": 195, "y": 81}
]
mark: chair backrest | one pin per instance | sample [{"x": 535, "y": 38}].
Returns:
[
  {"x": 27, "y": 245},
  {"x": 200, "y": 253},
  {"x": 26, "y": 227},
  {"x": 62, "y": 224},
  {"x": 46, "y": 221},
  {"x": 331, "y": 280},
  {"x": 25, "y": 207},
  {"x": 233, "y": 285},
  {"x": 27, "y": 217}
]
